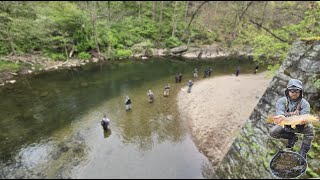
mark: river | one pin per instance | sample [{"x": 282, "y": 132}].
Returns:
[{"x": 50, "y": 122}]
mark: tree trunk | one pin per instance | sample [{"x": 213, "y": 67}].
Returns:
[
  {"x": 109, "y": 11},
  {"x": 154, "y": 10},
  {"x": 174, "y": 22},
  {"x": 93, "y": 20},
  {"x": 11, "y": 43},
  {"x": 186, "y": 11},
  {"x": 65, "y": 48},
  {"x": 140, "y": 11},
  {"x": 160, "y": 20},
  {"x": 193, "y": 15},
  {"x": 215, "y": 9},
  {"x": 242, "y": 14},
  {"x": 71, "y": 52},
  {"x": 264, "y": 13},
  {"x": 208, "y": 9}
]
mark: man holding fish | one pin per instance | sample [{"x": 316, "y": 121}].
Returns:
[{"x": 293, "y": 117}]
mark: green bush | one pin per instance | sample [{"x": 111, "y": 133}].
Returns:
[
  {"x": 123, "y": 53},
  {"x": 3, "y": 49},
  {"x": 273, "y": 69},
  {"x": 269, "y": 50},
  {"x": 172, "y": 42},
  {"x": 56, "y": 56},
  {"x": 6, "y": 65},
  {"x": 84, "y": 55}
]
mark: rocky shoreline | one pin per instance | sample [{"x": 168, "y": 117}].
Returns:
[{"x": 35, "y": 63}]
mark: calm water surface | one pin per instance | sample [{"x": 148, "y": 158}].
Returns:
[{"x": 50, "y": 123}]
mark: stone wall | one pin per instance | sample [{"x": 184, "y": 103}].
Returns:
[{"x": 252, "y": 150}]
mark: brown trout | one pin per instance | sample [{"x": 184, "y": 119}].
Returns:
[{"x": 295, "y": 120}]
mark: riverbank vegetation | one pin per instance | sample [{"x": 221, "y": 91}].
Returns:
[
  {"x": 118, "y": 29},
  {"x": 60, "y": 30}
]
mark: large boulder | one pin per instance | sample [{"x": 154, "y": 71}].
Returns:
[{"x": 179, "y": 49}]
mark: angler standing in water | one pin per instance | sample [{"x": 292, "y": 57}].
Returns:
[
  {"x": 128, "y": 103},
  {"x": 190, "y": 83},
  {"x": 180, "y": 77},
  {"x": 105, "y": 122},
  {"x": 151, "y": 96},
  {"x": 166, "y": 90},
  {"x": 195, "y": 73}
]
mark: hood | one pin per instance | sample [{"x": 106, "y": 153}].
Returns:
[{"x": 294, "y": 84}]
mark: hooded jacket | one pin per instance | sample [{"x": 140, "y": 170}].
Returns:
[{"x": 286, "y": 104}]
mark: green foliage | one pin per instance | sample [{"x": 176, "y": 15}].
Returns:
[
  {"x": 149, "y": 30},
  {"x": 19, "y": 31},
  {"x": 84, "y": 55},
  {"x": 310, "y": 38},
  {"x": 312, "y": 154},
  {"x": 123, "y": 53},
  {"x": 116, "y": 27},
  {"x": 55, "y": 56},
  {"x": 273, "y": 69},
  {"x": 6, "y": 65},
  {"x": 3, "y": 49},
  {"x": 108, "y": 37},
  {"x": 246, "y": 35},
  {"x": 172, "y": 42},
  {"x": 312, "y": 173},
  {"x": 67, "y": 26},
  {"x": 269, "y": 50},
  {"x": 202, "y": 36}
]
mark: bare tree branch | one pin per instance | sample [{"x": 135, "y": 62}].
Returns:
[
  {"x": 249, "y": 4},
  {"x": 242, "y": 14},
  {"x": 277, "y": 37},
  {"x": 194, "y": 14}
]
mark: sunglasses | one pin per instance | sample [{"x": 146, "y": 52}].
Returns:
[{"x": 294, "y": 90}]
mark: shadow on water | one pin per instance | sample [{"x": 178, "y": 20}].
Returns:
[{"x": 56, "y": 115}]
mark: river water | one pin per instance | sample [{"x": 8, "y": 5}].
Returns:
[{"x": 50, "y": 122}]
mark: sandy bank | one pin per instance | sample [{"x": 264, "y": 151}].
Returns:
[{"x": 218, "y": 107}]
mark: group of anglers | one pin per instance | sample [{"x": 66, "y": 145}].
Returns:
[
  {"x": 106, "y": 121},
  {"x": 178, "y": 78},
  {"x": 207, "y": 72},
  {"x": 151, "y": 94}
]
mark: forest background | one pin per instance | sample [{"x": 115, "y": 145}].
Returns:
[{"x": 118, "y": 29}]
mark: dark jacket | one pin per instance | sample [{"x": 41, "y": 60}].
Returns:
[{"x": 128, "y": 101}]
